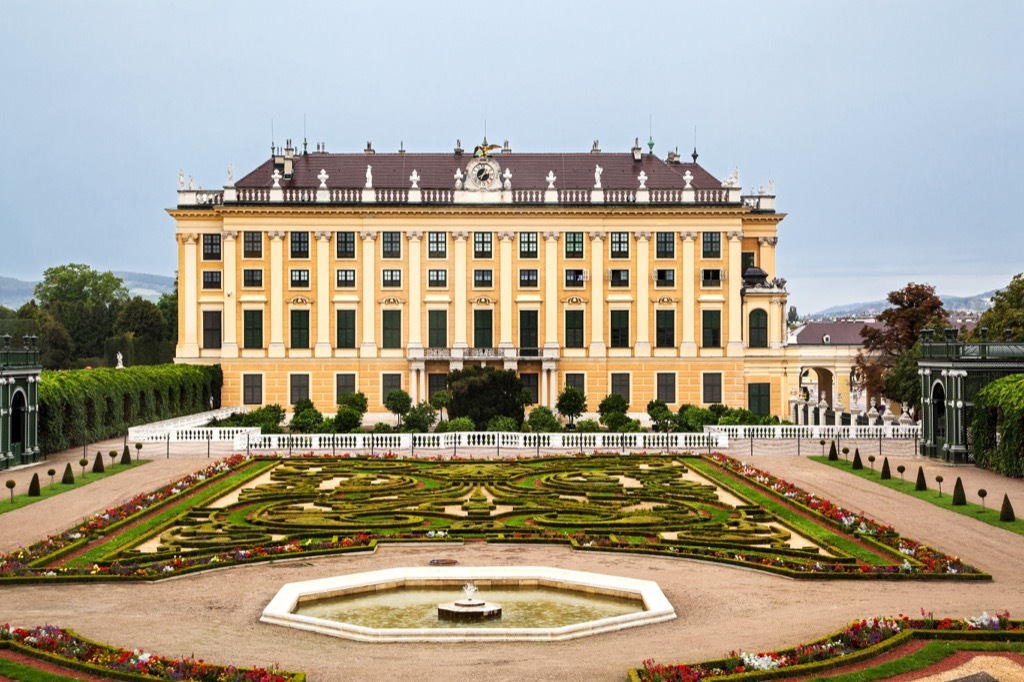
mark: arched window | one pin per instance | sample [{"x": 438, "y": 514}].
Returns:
[{"x": 758, "y": 328}]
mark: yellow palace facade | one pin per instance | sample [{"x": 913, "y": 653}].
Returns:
[{"x": 322, "y": 273}]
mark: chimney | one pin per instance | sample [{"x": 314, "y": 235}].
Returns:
[
  {"x": 369, "y": 148},
  {"x": 637, "y": 150},
  {"x": 458, "y": 147}
]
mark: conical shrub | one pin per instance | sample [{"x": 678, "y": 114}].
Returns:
[
  {"x": 833, "y": 453},
  {"x": 921, "y": 483},
  {"x": 97, "y": 465},
  {"x": 1006, "y": 511},
  {"x": 33, "y": 487},
  {"x": 69, "y": 476},
  {"x": 126, "y": 457},
  {"x": 959, "y": 496},
  {"x": 886, "y": 474},
  {"x": 857, "y": 464}
]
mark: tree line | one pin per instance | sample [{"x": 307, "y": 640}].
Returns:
[{"x": 84, "y": 318}]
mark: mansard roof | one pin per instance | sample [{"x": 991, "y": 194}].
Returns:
[{"x": 529, "y": 170}]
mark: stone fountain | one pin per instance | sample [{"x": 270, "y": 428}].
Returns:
[{"x": 469, "y": 608}]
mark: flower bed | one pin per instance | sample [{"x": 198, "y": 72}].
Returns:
[
  {"x": 859, "y": 640},
  {"x": 67, "y": 649}
]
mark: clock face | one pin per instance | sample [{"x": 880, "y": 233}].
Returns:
[{"x": 483, "y": 174}]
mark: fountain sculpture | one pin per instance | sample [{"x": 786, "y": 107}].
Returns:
[{"x": 468, "y": 608}]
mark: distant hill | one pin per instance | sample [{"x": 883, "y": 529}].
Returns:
[
  {"x": 978, "y": 303},
  {"x": 14, "y": 293}
]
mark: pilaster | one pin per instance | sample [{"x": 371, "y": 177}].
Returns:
[
  {"x": 688, "y": 347},
  {"x": 597, "y": 344},
  {"x": 367, "y": 297},
  {"x": 190, "y": 338},
  {"x": 642, "y": 348},
  {"x": 415, "y": 349},
  {"x": 322, "y": 349},
  {"x": 229, "y": 345},
  {"x": 277, "y": 280},
  {"x": 461, "y": 301},
  {"x": 550, "y": 302},
  {"x": 505, "y": 340},
  {"x": 735, "y": 302}
]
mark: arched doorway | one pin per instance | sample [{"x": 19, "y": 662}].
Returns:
[
  {"x": 19, "y": 417},
  {"x": 938, "y": 404}
]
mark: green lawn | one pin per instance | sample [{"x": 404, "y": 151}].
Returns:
[
  {"x": 931, "y": 653},
  {"x": 24, "y": 673},
  {"x": 989, "y": 513},
  {"x": 47, "y": 490}
]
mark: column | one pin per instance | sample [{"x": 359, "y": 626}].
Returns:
[
  {"x": 368, "y": 346},
  {"x": 415, "y": 348},
  {"x": 461, "y": 302},
  {"x": 190, "y": 339},
  {"x": 229, "y": 347},
  {"x": 597, "y": 345},
  {"x": 735, "y": 301},
  {"x": 278, "y": 276},
  {"x": 322, "y": 349},
  {"x": 766, "y": 254},
  {"x": 550, "y": 302},
  {"x": 505, "y": 340},
  {"x": 542, "y": 399},
  {"x": 776, "y": 322},
  {"x": 688, "y": 348},
  {"x": 643, "y": 294}
]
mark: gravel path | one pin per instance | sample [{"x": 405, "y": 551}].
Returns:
[{"x": 215, "y": 615}]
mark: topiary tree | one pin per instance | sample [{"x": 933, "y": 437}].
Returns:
[
  {"x": 382, "y": 427},
  {"x": 833, "y": 452},
  {"x": 939, "y": 479},
  {"x": 886, "y": 474},
  {"x": 982, "y": 493},
  {"x": 69, "y": 476},
  {"x": 543, "y": 420},
  {"x": 1006, "y": 511},
  {"x": 398, "y": 403},
  {"x": 51, "y": 473},
  {"x": 33, "y": 486},
  {"x": 871, "y": 461},
  {"x": 83, "y": 463},
  {"x": 10, "y": 486},
  {"x": 613, "y": 411},
  {"x": 138, "y": 450},
  {"x": 901, "y": 469},
  {"x": 126, "y": 456},
  {"x": 959, "y": 496},
  {"x": 572, "y": 403},
  {"x": 587, "y": 426},
  {"x": 857, "y": 464},
  {"x": 306, "y": 420},
  {"x": 97, "y": 464},
  {"x": 822, "y": 443},
  {"x": 357, "y": 401},
  {"x": 921, "y": 483},
  {"x": 113, "y": 456},
  {"x": 846, "y": 453},
  {"x": 440, "y": 400},
  {"x": 616, "y": 421}
]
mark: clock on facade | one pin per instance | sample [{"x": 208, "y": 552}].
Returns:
[{"x": 483, "y": 174}]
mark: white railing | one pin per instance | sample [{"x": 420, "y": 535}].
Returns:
[
  {"x": 619, "y": 196},
  {"x": 827, "y": 432},
  {"x": 449, "y": 443},
  {"x": 300, "y": 195},
  {"x": 574, "y": 196},
  {"x": 157, "y": 431}
]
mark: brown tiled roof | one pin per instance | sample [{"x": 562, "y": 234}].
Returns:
[
  {"x": 839, "y": 333},
  {"x": 437, "y": 171}
]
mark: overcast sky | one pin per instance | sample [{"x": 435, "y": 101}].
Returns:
[{"x": 893, "y": 130}]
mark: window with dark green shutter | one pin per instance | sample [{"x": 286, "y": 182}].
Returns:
[
  {"x": 664, "y": 328},
  {"x": 483, "y": 329},
  {"x": 346, "y": 329},
  {"x": 711, "y": 329},
  {"x": 574, "y": 329},
  {"x": 619, "y": 332},
  {"x": 252, "y": 329},
  {"x": 300, "y": 328},
  {"x": 437, "y": 328},
  {"x": 759, "y": 399},
  {"x": 758, "y": 329},
  {"x": 391, "y": 336}
]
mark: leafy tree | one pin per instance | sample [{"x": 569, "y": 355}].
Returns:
[
  {"x": 903, "y": 383},
  {"x": 587, "y": 426},
  {"x": 168, "y": 305},
  {"x": 693, "y": 419},
  {"x": 420, "y": 417},
  {"x": 142, "y": 320},
  {"x": 398, "y": 402},
  {"x": 441, "y": 400},
  {"x": 77, "y": 283},
  {"x": 347, "y": 419},
  {"x": 480, "y": 393},
  {"x": 613, "y": 403},
  {"x": 357, "y": 401},
  {"x": 55, "y": 344},
  {"x": 306, "y": 420},
  {"x": 661, "y": 416},
  {"x": 571, "y": 402},
  {"x": 461, "y": 424},
  {"x": 501, "y": 422},
  {"x": 914, "y": 308},
  {"x": 1007, "y": 312},
  {"x": 543, "y": 420}
]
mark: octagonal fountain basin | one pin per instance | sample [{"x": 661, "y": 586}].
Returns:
[{"x": 401, "y": 604}]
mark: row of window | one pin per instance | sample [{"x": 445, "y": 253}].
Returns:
[
  {"x": 665, "y": 387},
  {"x": 483, "y": 329},
  {"x": 483, "y": 245},
  {"x": 529, "y": 278}
]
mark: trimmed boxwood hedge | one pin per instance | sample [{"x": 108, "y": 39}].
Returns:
[{"x": 88, "y": 405}]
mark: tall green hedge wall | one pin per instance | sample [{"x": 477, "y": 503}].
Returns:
[
  {"x": 997, "y": 431},
  {"x": 87, "y": 405}
]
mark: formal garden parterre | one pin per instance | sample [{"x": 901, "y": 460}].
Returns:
[{"x": 245, "y": 509}]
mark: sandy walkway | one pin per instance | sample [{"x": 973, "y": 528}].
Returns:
[{"x": 719, "y": 608}]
